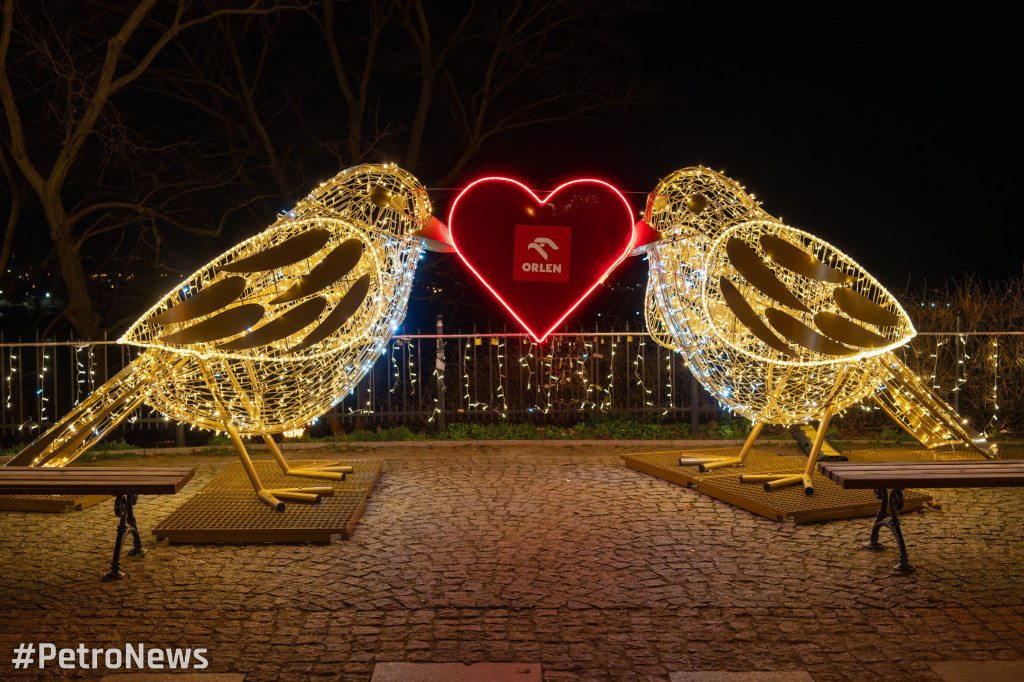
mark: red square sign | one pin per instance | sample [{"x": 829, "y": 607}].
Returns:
[{"x": 541, "y": 253}]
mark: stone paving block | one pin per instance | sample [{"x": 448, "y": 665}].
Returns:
[
  {"x": 177, "y": 676},
  {"x": 456, "y": 672},
  {"x": 979, "y": 671},
  {"x": 544, "y": 553}
]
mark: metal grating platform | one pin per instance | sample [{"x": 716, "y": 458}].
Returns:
[
  {"x": 829, "y": 501},
  {"x": 49, "y": 503},
  {"x": 912, "y": 455},
  {"x": 227, "y": 510}
]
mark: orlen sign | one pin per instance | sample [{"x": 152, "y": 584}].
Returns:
[{"x": 541, "y": 253}]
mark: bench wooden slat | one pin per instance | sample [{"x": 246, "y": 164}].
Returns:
[
  {"x": 936, "y": 471},
  {"x": 945, "y": 474},
  {"x": 94, "y": 480},
  {"x": 10, "y": 472},
  {"x": 95, "y": 470},
  {"x": 1009, "y": 463},
  {"x": 910, "y": 481},
  {"x": 58, "y": 480},
  {"x": 65, "y": 477}
]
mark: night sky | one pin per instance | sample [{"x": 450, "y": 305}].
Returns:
[
  {"x": 891, "y": 131},
  {"x": 894, "y": 133}
]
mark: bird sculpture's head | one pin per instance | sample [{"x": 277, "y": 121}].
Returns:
[
  {"x": 383, "y": 198},
  {"x": 697, "y": 202}
]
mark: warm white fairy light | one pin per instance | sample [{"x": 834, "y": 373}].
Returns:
[
  {"x": 716, "y": 248},
  {"x": 11, "y": 369},
  {"x": 43, "y": 399},
  {"x": 686, "y": 310},
  {"x": 992, "y": 426},
  {"x": 500, "y": 392},
  {"x": 438, "y": 375},
  {"x": 80, "y": 373},
  {"x": 283, "y": 384}
]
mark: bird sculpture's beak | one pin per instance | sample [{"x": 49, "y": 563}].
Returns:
[
  {"x": 645, "y": 237},
  {"x": 434, "y": 236}
]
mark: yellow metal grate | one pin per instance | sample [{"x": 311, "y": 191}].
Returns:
[
  {"x": 226, "y": 510},
  {"x": 665, "y": 464},
  {"x": 911, "y": 455},
  {"x": 829, "y": 501},
  {"x": 49, "y": 503}
]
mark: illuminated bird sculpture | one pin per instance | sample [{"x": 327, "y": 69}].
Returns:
[
  {"x": 271, "y": 333},
  {"x": 777, "y": 324}
]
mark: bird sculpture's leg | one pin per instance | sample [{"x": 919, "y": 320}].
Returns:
[
  {"x": 333, "y": 471},
  {"x": 719, "y": 462},
  {"x": 773, "y": 481},
  {"x": 273, "y": 496},
  {"x": 709, "y": 463}
]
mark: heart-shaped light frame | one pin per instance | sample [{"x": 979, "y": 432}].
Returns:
[{"x": 629, "y": 234}]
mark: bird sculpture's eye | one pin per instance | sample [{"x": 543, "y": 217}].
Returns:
[
  {"x": 382, "y": 198},
  {"x": 696, "y": 203}
]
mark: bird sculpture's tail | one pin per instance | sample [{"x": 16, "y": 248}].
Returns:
[
  {"x": 923, "y": 415},
  {"x": 91, "y": 419}
]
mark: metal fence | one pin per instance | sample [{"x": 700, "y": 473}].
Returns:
[{"x": 441, "y": 379}]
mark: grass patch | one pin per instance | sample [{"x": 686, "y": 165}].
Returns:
[
  {"x": 604, "y": 428},
  {"x": 892, "y": 436},
  {"x": 833, "y": 436},
  {"x": 106, "y": 445},
  {"x": 214, "y": 450},
  {"x": 11, "y": 451},
  {"x": 599, "y": 427}
]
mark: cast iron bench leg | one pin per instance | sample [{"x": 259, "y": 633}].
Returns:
[
  {"x": 891, "y": 504},
  {"x": 123, "y": 510}
]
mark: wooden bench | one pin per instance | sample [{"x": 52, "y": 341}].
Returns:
[
  {"x": 127, "y": 483},
  {"x": 897, "y": 476}
]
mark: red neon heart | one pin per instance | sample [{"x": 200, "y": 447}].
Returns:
[{"x": 537, "y": 280}]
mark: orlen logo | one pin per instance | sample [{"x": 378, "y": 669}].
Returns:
[{"x": 542, "y": 253}]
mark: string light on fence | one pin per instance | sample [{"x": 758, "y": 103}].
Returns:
[
  {"x": 995, "y": 387},
  {"x": 11, "y": 369},
  {"x": 43, "y": 399}
]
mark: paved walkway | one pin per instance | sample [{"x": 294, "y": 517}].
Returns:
[{"x": 545, "y": 553}]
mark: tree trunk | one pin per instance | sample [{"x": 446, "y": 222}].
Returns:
[
  {"x": 80, "y": 311},
  {"x": 419, "y": 122}
]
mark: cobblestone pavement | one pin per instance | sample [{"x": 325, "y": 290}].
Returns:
[{"x": 549, "y": 553}]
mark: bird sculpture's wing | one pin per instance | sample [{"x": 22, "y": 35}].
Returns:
[
  {"x": 322, "y": 277},
  {"x": 784, "y": 296}
]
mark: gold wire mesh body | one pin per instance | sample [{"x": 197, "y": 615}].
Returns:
[
  {"x": 702, "y": 213},
  {"x": 780, "y": 326},
  {"x": 273, "y": 387},
  {"x": 271, "y": 333}
]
